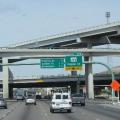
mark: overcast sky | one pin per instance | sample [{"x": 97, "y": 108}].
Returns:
[{"x": 22, "y": 20}]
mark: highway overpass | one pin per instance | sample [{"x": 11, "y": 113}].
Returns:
[
  {"x": 66, "y": 43},
  {"x": 96, "y": 35},
  {"x": 37, "y": 53},
  {"x": 100, "y": 80}
]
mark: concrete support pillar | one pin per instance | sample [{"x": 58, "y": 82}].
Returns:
[
  {"x": 86, "y": 75},
  {"x": 5, "y": 79},
  {"x": 89, "y": 79},
  {"x": 89, "y": 76},
  {"x": 73, "y": 88},
  {"x": 10, "y": 92},
  {"x": 90, "y": 82},
  {"x": 78, "y": 86},
  {"x": 74, "y": 73}
]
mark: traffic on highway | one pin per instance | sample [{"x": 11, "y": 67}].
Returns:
[
  {"x": 62, "y": 105},
  {"x": 41, "y": 111}
]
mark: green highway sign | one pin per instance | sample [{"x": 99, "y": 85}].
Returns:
[
  {"x": 73, "y": 62},
  {"x": 52, "y": 63}
]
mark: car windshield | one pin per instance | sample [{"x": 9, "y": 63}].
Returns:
[
  {"x": 30, "y": 96},
  {"x": 58, "y": 97},
  {"x": 65, "y": 96}
]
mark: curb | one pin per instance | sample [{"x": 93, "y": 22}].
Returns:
[
  {"x": 99, "y": 101},
  {"x": 11, "y": 100}
]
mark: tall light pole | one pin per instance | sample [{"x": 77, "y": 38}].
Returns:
[{"x": 107, "y": 15}]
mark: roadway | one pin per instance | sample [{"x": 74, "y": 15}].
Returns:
[{"x": 19, "y": 111}]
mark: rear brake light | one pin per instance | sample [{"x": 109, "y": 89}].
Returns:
[
  {"x": 70, "y": 102},
  {"x": 53, "y": 103}
]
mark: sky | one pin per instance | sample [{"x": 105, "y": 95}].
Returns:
[{"x": 22, "y": 20}]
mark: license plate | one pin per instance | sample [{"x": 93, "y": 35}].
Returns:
[
  {"x": 65, "y": 103},
  {"x": 57, "y": 104}
]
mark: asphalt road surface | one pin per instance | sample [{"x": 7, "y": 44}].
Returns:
[{"x": 19, "y": 111}]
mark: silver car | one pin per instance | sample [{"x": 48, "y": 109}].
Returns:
[
  {"x": 3, "y": 103},
  {"x": 78, "y": 98},
  {"x": 30, "y": 99}
]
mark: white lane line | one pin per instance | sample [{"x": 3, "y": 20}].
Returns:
[
  {"x": 45, "y": 114},
  {"x": 98, "y": 119}
]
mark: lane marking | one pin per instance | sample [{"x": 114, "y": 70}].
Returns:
[{"x": 98, "y": 119}]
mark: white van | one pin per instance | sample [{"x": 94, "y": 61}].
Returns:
[{"x": 61, "y": 101}]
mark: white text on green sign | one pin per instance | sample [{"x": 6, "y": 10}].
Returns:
[
  {"x": 73, "y": 62},
  {"x": 52, "y": 63}
]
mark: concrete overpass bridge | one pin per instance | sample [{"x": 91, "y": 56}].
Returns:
[
  {"x": 70, "y": 41},
  {"x": 100, "y": 80}
]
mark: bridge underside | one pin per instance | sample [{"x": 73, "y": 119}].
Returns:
[
  {"x": 73, "y": 84},
  {"x": 45, "y": 84},
  {"x": 55, "y": 84}
]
